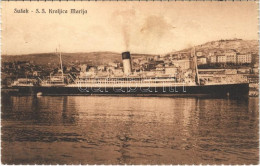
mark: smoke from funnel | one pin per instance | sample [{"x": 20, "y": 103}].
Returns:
[
  {"x": 126, "y": 36},
  {"x": 144, "y": 34},
  {"x": 125, "y": 20}
]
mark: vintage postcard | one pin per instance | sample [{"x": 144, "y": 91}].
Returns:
[{"x": 129, "y": 82}]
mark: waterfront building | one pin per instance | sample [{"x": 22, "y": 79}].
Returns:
[
  {"x": 231, "y": 57},
  {"x": 244, "y": 58},
  {"x": 222, "y": 59},
  {"x": 183, "y": 64},
  {"x": 202, "y": 60},
  {"x": 213, "y": 59}
]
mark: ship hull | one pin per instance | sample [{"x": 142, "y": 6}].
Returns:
[{"x": 241, "y": 89}]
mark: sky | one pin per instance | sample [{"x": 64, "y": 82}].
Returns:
[{"x": 139, "y": 27}]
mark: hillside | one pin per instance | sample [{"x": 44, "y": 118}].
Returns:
[
  {"x": 45, "y": 58},
  {"x": 221, "y": 46},
  {"x": 96, "y": 58}
]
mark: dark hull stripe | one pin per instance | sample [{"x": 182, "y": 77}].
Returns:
[{"x": 203, "y": 90}]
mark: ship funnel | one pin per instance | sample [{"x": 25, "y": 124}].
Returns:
[{"x": 126, "y": 57}]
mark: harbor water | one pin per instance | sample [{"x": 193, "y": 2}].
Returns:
[{"x": 129, "y": 130}]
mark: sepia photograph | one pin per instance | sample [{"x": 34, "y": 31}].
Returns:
[{"x": 129, "y": 82}]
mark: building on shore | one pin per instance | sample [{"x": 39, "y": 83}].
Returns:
[
  {"x": 244, "y": 58},
  {"x": 183, "y": 64},
  {"x": 221, "y": 59},
  {"x": 213, "y": 59},
  {"x": 202, "y": 60},
  {"x": 231, "y": 57}
]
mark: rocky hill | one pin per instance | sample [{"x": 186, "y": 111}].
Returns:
[
  {"x": 221, "y": 46},
  {"x": 45, "y": 58},
  {"x": 96, "y": 58}
]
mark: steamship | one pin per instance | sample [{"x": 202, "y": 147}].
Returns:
[{"x": 132, "y": 85}]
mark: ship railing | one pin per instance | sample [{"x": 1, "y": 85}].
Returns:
[{"x": 131, "y": 81}]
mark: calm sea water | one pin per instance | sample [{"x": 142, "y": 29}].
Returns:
[{"x": 131, "y": 130}]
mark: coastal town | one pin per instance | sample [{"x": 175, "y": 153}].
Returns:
[{"x": 229, "y": 65}]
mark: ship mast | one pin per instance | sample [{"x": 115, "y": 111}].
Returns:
[
  {"x": 61, "y": 67},
  {"x": 197, "y": 79}
]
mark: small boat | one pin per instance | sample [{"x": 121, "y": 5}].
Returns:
[
  {"x": 23, "y": 82},
  {"x": 39, "y": 94}
]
